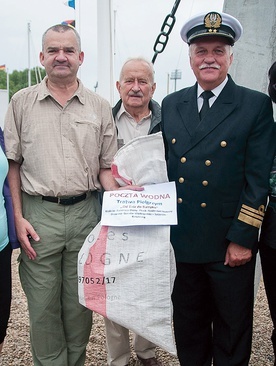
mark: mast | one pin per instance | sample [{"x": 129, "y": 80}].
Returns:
[
  {"x": 105, "y": 50},
  {"x": 29, "y": 55}
]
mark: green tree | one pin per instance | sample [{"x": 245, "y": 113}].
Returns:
[
  {"x": 3, "y": 80},
  {"x": 19, "y": 79}
]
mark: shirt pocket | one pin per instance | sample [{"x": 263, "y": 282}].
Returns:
[{"x": 86, "y": 135}]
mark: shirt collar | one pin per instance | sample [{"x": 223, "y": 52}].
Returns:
[
  {"x": 216, "y": 91},
  {"x": 44, "y": 91},
  {"x": 123, "y": 110}
]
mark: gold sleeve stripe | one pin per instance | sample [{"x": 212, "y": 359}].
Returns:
[
  {"x": 260, "y": 211},
  {"x": 251, "y": 216},
  {"x": 259, "y": 217},
  {"x": 250, "y": 220}
]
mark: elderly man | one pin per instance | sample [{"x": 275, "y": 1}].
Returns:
[
  {"x": 135, "y": 114},
  {"x": 219, "y": 143}
]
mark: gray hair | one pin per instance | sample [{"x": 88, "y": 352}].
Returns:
[
  {"x": 192, "y": 45},
  {"x": 139, "y": 59},
  {"x": 61, "y": 28}
]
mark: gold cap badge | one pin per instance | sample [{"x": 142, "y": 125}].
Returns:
[{"x": 212, "y": 21}]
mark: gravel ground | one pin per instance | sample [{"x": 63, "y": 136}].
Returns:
[{"x": 16, "y": 351}]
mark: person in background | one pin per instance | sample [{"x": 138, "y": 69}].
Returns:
[
  {"x": 8, "y": 242},
  {"x": 135, "y": 114},
  {"x": 60, "y": 141},
  {"x": 219, "y": 147},
  {"x": 268, "y": 230}
]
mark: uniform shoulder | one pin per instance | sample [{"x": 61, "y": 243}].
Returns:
[{"x": 252, "y": 92}]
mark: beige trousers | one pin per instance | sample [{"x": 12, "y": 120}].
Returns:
[{"x": 118, "y": 345}]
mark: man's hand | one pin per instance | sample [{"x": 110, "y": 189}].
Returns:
[
  {"x": 110, "y": 184},
  {"x": 25, "y": 232},
  {"x": 236, "y": 255}
]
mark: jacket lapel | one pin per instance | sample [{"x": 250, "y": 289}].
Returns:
[
  {"x": 220, "y": 110},
  {"x": 187, "y": 109}
]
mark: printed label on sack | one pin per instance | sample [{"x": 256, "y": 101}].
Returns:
[{"x": 155, "y": 205}]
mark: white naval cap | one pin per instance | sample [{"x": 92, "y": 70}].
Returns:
[{"x": 211, "y": 24}]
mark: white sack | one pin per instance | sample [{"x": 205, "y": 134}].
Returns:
[{"x": 126, "y": 273}]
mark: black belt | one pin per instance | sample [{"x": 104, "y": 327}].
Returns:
[{"x": 65, "y": 201}]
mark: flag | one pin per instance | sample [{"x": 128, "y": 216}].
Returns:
[
  {"x": 3, "y": 67},
  {"x": 70, "y": 23},
  {"x": 70, "y": 3}
]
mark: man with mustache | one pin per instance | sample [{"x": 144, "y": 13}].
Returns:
[
  {"x": 60, "y": 142},
  {"x": 219, "y": 148},
  {"x": 135, "y": 114}
]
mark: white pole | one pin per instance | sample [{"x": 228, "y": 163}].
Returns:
[
  {"x": 105, "y": 50},
  {"x": 77, "y": 17},
  {"x": 29, "y": 56}
]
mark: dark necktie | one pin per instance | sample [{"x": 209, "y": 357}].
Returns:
[{"x": 206, "y": 95}]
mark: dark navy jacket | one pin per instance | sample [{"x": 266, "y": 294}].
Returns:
[{"x": 221, "y": 168}]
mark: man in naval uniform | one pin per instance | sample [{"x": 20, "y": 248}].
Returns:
[{"x": 219, "y": 147}]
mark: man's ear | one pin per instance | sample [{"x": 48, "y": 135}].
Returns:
[
  {"x": 41, "y": 58},
  {"x": 118, "y": 86}
]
